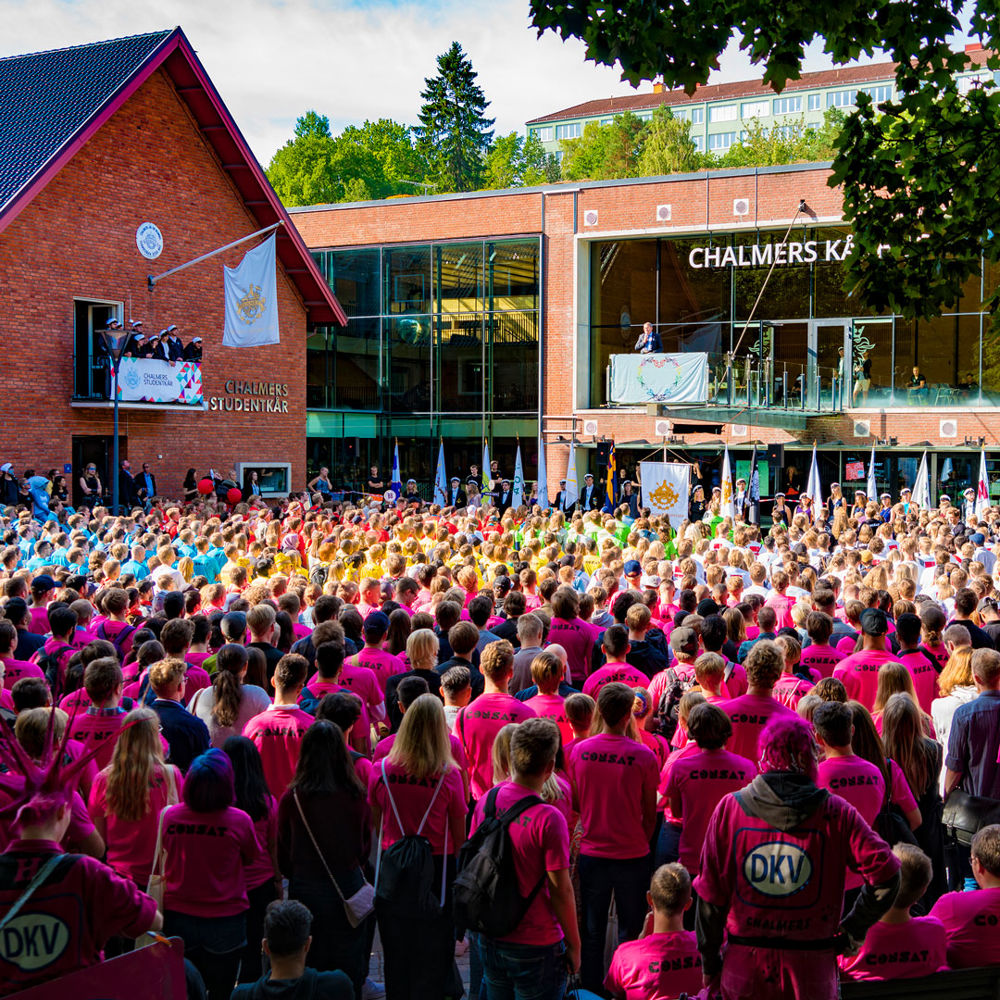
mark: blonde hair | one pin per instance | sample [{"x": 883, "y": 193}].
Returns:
[
  {"x": 138, "y": 755},
  {"x": 550, "y": 792},
  {"x": 422, "y": 747},
  {"x": 422, "y": 648},
  {"x": 957, "y": 671}
]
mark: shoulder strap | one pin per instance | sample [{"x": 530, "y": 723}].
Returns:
[
  {"x": 490, "y": 809},
  {"x": 298, "y": 805},
  {"x": 522, "y": 805},
  {"x": 40, "y": 876},
  {"x": 172, "y": 797}
]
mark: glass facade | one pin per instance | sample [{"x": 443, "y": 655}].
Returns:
[
  {"x": 701, "y": 292},
  {"x": 442, "y": 341}
]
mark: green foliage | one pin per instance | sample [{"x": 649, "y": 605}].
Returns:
[
  {"x": 605, "y": 152},
  {"x": 790, "y": 142},
  {"x": 514, "y": 161},
  {"x": 454, "y": 133},
  {"x": 668, "y": 147},
  {"x": 919, "y": 173}
]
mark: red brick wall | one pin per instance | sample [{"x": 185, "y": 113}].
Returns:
[{"x": 77, "y": 239}]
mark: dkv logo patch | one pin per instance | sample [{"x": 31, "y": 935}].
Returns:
[
  {"x": 777, "y": 869},
  {"x": 33, "y": 941}
]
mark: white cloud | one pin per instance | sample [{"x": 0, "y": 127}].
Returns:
[{"x": 271, "y": 61}]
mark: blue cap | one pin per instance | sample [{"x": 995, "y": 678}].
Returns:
[
  {"x": 632, "y": 567},
  {"x": 377, "y": 621}
]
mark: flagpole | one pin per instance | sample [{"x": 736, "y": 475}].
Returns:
[{"x": 152, "y": 279}]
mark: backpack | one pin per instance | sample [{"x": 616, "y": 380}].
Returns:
[
  {"x": 49, "y": 663},
  {"x": 404, "y": 873},
  {"x": 486, "y": 896},
  {"x": 119, "y": 638},
  {"x": 665, "y": 717}
]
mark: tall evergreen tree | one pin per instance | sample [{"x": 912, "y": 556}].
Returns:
[{"x": 454, "y": 133}]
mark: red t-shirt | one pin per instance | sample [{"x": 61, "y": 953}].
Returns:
[
  {"x": 656, "y": 967},
  {"x": 540, "y": 842},
  {"x": 277, "y": 733},
  {"x": 477, "y": 725},
  {"x": 898, "y": 951}
]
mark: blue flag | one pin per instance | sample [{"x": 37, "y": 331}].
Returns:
[
  {"x": 396, "y": 483},
  {"x": 611, "y": 487}
]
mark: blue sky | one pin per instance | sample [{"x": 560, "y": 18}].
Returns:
[{"x": 348, "y": 59}]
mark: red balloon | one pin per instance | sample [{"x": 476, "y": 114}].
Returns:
[
  {"x": 205, "y": 486},
  {"x": 234, "y": 495}
]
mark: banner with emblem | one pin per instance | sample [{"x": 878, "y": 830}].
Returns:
[
  {"x": 728, "y": 507},
  {"x": 252, "y": 299},
  {"x": 665, "y": 488},
  {"x": 146, "y": 380}
]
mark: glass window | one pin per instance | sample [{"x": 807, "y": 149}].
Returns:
[
  {"x": 787, "y": 105},
  {"x": 356, "y": 360},
  {"x": 723, "y": 113},
  {"x": 755, "y": 109},
  {"x": 871, "y": 341},
  {"x": 317, "y": 371},
  {"x": 354, "y": 277},
  {"x": 512, "y": 362},
  {"x": 408, "y": 364},
  {"x": 883, "y": 92},
  {"x": 947, "y": 349},
  {"x": 544, "y": 133},
  {"x": 458, "y": 277},
  {"x": 815, "y": 102},
  {"x": 690, "y": 294},
  {"x": 840, "y": 98},
  {"x": 681, "y": 114},
  {"x": 787, "y": 131},
  {"x": 698, "y": 116},
  {"x": 459, "y": 359},
  {"x": 512, "y": 277},
  {"x": 573, "y": 130},
  {"x": 721, "y": 140},
  {"x": 408, "y": 280},
  {"x": 787, "y": 293},
  {"x": 699, "y": 143},
  {"x": 645, "y": 116}
]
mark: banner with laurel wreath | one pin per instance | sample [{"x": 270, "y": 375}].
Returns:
[
  {"x": 659, "y": 378},
  {"x": 665, "y": 488},
  {"x": 252, "y": 299}
]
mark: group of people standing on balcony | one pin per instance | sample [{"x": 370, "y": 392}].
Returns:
[{"x": 166, "y": 345}]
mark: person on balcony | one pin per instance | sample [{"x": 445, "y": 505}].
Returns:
[
  {"x": 649, "y": 340},
  {"x": 172, "y": 344},
  {"x": 916, "y": 388},
  {"x": 192, "y": 352}
]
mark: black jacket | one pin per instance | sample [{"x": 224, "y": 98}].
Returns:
[{"x": 186, "y": 733}]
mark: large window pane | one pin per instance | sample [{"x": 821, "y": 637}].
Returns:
[
  {"x": 408, "y": 383},
  {"x": 786, "y": 295},
  {"x": 947, "y": 349},
  {"x": 354, "y": 278},
  {"x": 514, "y": 361},
  {"x": 623, "y": 275},
  {"x": 871, "y": 340},
  {"x": 512, "y": 275},
  {"x": 690, "y": 294},
  {"x": 357, "y": 364},
  {"x": 458, "y": 273},
  {"x": 317, "y": 371},
  {"x": 460, "y": 363},
  {"x": 408, "y": 280}
]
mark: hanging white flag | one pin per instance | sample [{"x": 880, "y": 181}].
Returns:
[
  {"x": 543, "y": 482},
  {"x": 441, "y": 480},
  {"x": 813, "y": 486},
  {"x": 728, "y": 506},
  {"x": 665, "y": 489},
  {"x": 252, "y": 299},
  {"x": 982, "y": 487},
  {"x": 572, "y": 492},
  {"x": 484, "y": 474},
  {"x": 921, "y": 494},
  {"x": 517, "y": 497},
  {"x": 872, "y": 485}
]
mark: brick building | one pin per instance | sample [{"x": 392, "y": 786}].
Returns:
[
  {"x": 97, "y": 140},
  {"x": 689, "y": 253}
]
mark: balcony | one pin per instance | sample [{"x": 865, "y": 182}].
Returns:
[{"x": 143, "y": 383}]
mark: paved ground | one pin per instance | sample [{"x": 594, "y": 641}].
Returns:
[{"x": 375, "y": 966}]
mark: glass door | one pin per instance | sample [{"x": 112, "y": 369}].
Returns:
[
  {"x": 871, "y": 363},
  {"x": 828, "y": 347}
]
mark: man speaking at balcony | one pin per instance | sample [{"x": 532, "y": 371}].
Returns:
[{"x": 649, "y": 340}]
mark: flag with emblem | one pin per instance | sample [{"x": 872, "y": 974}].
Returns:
[
  {"x": 543, "y": 482},
  {"x": 728, "y": 507},
  {"x": 251, "y": 291},
  {"x": 396, "y": 483},
  {"x": 611, "y": 486},
  {"x": 517, "y": 497},
  {"x": 666, "y": 487},
  {"x": 921, "y": 494},
  {"x": 983, "y": 487},
  {"x": 441, "y": 479},
  {"x": 753, "y": 490}
]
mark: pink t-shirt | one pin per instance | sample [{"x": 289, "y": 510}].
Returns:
[
  {"x": 782, "y": 605},
  {"x": 790, "y": 690},
  {"x": 612, "y": 775},
  {"x": 622, "y": 673},
  {"x": 360, "y": 738},
  {"x": 98, "y": 730},
  {"x": 363, "y": 682},
  {"x": 898, "y": 951},
  {"x": 860, "y": 783},
  {"x": 412, "y": 796},
  {"x": 261, "y": 869},
  {"x": 384, "y": 745},
  {"x": 699, "y": 780},
  {"x": 131, "y": 843},
  {"x": 195, "y": 678},
  {"x": 749, "y": 714},
  {"x": 477, "y": 726},
  {"x": 823, "y": 659},
  {"x": 39, "y": 620},
  {"x": 656, "y": 967},
  {"x": 577, "y": 637},
  {"x": 540, "y": 841},
  {"x": 14, "y": 670},
  {"x": 381, "y": 663},
  {"x": 925, "y": 677},
  {"x": 735, "y": 682},
  {"x": 207, "y": 857},
  {"x": 859, "y": 673},
  {"x": 277, "y": 733},
  {"x": 970, "y": 921},
  {"x": 550, "y": 706}
]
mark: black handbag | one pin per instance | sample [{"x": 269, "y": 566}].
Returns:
[
  {"x": 890, "y": 824},
  {"x": 965, "y": 815}
]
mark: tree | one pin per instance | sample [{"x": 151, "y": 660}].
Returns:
[
  {"x": 792, "y": 142},
  {"x": 605, "y": 152},
  {"x": 918, "y": 173},
  {"x": 514, "y": 161},
  {"x": 668, "y": 147},
  {"x": 454, "y": 133},
  {"x": 401, "y": 168},
  {"x": 302, "y": 171}
]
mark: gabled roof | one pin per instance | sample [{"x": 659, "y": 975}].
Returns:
[{"x": 52, "y": 103}]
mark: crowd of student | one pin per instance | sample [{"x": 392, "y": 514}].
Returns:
[{"x": 716, "y": 758}]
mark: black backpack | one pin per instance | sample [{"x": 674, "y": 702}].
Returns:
[
  {"x": 118, "y": 639},
  {"x": 486, "y": 896},
  {"x": 665, "y": 717},
  {"x": 49, "y": 664},
  {"x": 404, "y": 873}
]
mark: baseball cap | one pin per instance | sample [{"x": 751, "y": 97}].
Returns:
[
  {"x": 707, "y": 607},
  {"x": 377, "y": 621},
  {"x": 978, "y": 538},
  {"x": 43, "y": 583},
  {"x": 632, "y": 568},
  {"x": 684, "y": 640},
  {"x": 874, "y": 622}
]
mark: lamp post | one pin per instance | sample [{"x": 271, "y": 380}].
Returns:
[{"x": 115, "y": 341}]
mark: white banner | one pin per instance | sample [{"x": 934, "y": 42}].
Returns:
[
  {"x": 441, "y": 480},
  {"x": 659, "y": 378},
  {"x": 665, "y": 488},
  {"x": 145, "y": 380},
  {"x": 252, "y": 299},
  {"x": 517, "y": 496}
]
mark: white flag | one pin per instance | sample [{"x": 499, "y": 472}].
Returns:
[
  {"x": 543, "y": 482},
  {"x": 484, "y": 475},
  {"x": 813, "y": 486},
  {"x": 728, "y": 506},
  {"x": 921, "y": 495},
  {"x": 665, "y": 488},
  {"x": 517, "y": 497},
  {"x": 872, "y": 485},
  {"x": 441, "y": 480},
  {"x": 572, "y": 491},
  {"x": 982, "y": 487},
  {"x": 252, "y": 299}
]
